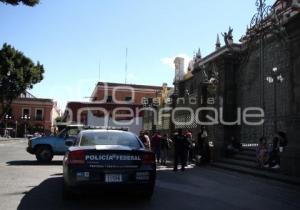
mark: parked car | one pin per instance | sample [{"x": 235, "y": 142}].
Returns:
[
  {"x": 45, "y": 147},
  {"x": 108, "y": 159}
]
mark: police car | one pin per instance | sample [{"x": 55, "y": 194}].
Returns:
[{"x": 108, "y": 159}]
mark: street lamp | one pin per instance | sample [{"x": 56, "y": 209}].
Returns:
[
  {"x": 275, "y": 78},
  {"x": 16, "y": 132},
  {"x": 25, "y": 118},
  {"x": 7, "y": 117}
]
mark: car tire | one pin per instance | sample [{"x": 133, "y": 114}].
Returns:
[{"x": 44, "y": 154}]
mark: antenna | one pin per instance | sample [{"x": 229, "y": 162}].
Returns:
[{"x": 126, "y": 65}]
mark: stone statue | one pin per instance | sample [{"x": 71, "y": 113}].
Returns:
[{"x": 228, "y": 37}]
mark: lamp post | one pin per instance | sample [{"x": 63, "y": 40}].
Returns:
[
  {"x": 25, "y": 118},
  {"x": 275, "y": 78},
  {"x": 7, "y": 117},
  {"x": 16, "y": 133}
]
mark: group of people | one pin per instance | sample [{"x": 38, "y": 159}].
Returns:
[
  {"x": 268, "y": 156},
  {"x": 186, "y": 149},
  {"x": 158, "y": 144}
]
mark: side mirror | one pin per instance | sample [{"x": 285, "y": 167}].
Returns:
[{"x": 69, "y": 143}]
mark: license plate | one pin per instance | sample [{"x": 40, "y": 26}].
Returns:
[{"x": 113, "y": 178}]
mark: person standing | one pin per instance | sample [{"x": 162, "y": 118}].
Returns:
[
  {"x": 204, "y": 146},
  {"x": 274, "y": 158},
  {"x": 164, "y": 148},
  {"x": 190, "y": 152},
  {"x": 145, "y": 139},
  {"x": 262, "y": 152},
  {"x": 155, "y": 145},
  {"x": 180, "y": 150}
]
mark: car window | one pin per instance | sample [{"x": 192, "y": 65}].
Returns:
[
  {"x": 73, "y": 132},
  {"x": 62, "y": 133},
  {"x": 109, "y": 138}
]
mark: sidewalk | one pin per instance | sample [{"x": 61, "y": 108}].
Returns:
[{"x": 11, "y": 139}]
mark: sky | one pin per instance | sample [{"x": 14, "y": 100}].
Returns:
[{"x": 83, "y": 42}]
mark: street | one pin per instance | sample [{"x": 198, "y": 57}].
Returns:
[{"x": 27, "y": 185}]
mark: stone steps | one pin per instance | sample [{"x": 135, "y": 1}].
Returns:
[
  {"x": 245, "y": 162},
  {"x": 245, "y": 157},
  {"x": 248, "y": 152},
  {"x": 257, "y": 172}
]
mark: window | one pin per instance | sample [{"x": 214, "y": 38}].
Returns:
[
  {"x": 109, "y": 99},
  {"x": 128, "y": 98},
  {"x": 73, "y": 132},
  {"x": 39, "y": 114},
  {"x": 25, "y": 111},
  {"x": 91, "y": 138}
]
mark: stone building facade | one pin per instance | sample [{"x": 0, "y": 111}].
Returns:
[{"x": 235, "y": 76}]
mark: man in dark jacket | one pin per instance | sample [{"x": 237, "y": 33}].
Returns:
[
  {"x": 155, "y": 144},
  {"x": 181, "y": 146}
]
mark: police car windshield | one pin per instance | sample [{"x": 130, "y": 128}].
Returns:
[{"x": 109, "y": 138}]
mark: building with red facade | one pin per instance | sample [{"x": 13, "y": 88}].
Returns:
[
  {"x": 113, "y": 104},
  {"x": 28, "y": 115}
]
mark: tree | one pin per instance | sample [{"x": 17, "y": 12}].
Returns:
[
  {"x": 59, "y": 119},
  {"x": 30, "y": 3},
  {"x": 17, "y": 74}
]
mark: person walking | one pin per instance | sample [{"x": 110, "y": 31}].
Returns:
[{"x": 180, "y": 150}]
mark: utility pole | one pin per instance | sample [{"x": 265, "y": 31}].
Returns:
[{"x": 126, "y": 65}]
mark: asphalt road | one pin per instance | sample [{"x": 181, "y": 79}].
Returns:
[{"x": 27, "y": 185}]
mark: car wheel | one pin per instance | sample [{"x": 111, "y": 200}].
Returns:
[{"x": 44, "y": 154}]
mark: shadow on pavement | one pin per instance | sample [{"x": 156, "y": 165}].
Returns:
[
  {"x": 32, "y": 163},
  {"x": 48, "y": 195}
]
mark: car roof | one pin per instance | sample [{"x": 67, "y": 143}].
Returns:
[
  {"x": 104, "y": 130},
  {"x": 75, "y": 125}
]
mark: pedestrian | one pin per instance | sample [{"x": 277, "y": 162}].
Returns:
[
  {"x": 204, "y": 148},
  {"x": 164, "y": 148},
  {"x": 279, "y": 143},
  {"x": 283, "y": 140},
  {"x": 155, "y": 145},
  {"x": 145, "y": 139},
  {"x": 180, "y": 150},
  {"x": 262, "y": 152},
  {"x": 191, "y": 148},
  {"x": 274, "y": 158}
]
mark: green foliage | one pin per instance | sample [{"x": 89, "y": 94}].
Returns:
[
  {"x": 17, "y": 74},
  {"x": 58, "y": 119},
  {"x": 30, "y": 3}
]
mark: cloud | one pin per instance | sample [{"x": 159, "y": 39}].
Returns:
[{"x": 169, "y": 61}]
